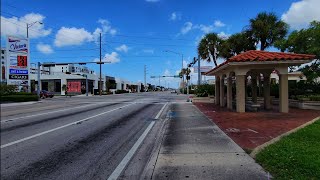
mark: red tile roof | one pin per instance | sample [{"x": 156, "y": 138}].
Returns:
[{"x": 256, "y": 55}]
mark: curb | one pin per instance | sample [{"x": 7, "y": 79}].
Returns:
[
  {"x": 19, "y": 104},
  {"x": 276, "y": 139}
]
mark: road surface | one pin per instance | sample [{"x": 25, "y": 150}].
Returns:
[{"x": 82, "y": 137}]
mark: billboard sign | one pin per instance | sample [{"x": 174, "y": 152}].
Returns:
[
  {"x": 18, "y": 71},
  {"x": 74, "y": 86},
  {"x": 17, "y": 76},
  {"x": 203, "y": 69},
  {"x": 18, "y": 61}
]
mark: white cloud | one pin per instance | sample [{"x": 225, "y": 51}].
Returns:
[
  {"x": 17, "y": 26},
  {"x": 186, "y": 28},
  {"x": 44, "y": 48},
  {"x": 152, "y": 0},
  {"x": 77, "y": 36},
  {"x": 223, "y": 35},
  {"x": 149, "y": 51},
  {"x": 72, "y": 36},
  {"x": 110, "y": 58},
  {"x": 206, "y": 29},
  {"x": 218, "y": 23},
  {"x": 175, "y": 16},
  {"x": 122, "y": 48},
  {"x": 301, "y": 13}
]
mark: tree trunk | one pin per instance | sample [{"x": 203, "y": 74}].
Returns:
[
  {"x": 262, "y": 46},
  {"x": 215, "y": 61}
]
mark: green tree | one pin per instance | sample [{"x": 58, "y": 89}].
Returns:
[
  {"x": 236, "y": 44},
  {"x": 208, "y": 48},
  {"x": 267, "y": 28},
  {"x": 304, "y": 41}
]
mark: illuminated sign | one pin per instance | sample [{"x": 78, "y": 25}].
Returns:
[{"x": 18, "y": 71}]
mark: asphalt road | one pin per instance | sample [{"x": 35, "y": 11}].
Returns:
[{"x": 82, "y": 137}]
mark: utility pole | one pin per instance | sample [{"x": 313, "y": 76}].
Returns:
[
  {"x": 182, "y": 74},
  {"x": 145, "y": 78},
  {"x": 100, "y": 89},
  {"x": 87, "y": 88},
  {"x": 199, "y": 73},
  {"x": 38, "y": 85}
]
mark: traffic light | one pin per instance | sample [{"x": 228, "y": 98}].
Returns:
[{"x": 188, "y": 77}]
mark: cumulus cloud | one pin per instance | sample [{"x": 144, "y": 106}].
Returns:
[
  {"x": 218, "y": 23},
  {"x": 301, "y": 13},
  {"x": 175, "y": 16},
  {"x": 186, "y": 28},
  {"x": 109, "y": 58},
  {"x": 223, "y": 35},
  {"x": 72, "y": 36},
  {"x": 44, "y": 48},
  {"x": 17, "y": 26},
  {"x": 76, "y": 36},
  {"x": 122, "y": 48}
]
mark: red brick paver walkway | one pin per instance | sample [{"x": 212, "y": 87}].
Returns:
[{"x": 252, "y": 129}]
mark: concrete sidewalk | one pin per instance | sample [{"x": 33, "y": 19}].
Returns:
[{"x": 195, "y": 148}]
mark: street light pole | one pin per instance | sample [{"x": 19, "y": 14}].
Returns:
[
  {"x": 181, "y": 67},
  {"x": 31, "y": 24},
  {"x": 38, "y": 85}
]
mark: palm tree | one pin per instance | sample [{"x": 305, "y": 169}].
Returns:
[
  {"x": 266, "y": 28},
  {"x": 236, "y": 44},
  {"x": 208, "y": 47}
]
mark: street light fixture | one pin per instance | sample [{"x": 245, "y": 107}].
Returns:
[
  {"x": 181, "y": 65},
  {"x": 31, "y": 24}
]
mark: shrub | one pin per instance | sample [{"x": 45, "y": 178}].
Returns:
[
  {"x": 204, "y": 90},
  {"x": 19, "y": 98},
  {"x": 23, "y": 93},
  {"x": 7, "y": 89},
  {"x": 314, "y": 98}
]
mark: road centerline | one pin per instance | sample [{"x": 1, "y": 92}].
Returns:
[{"x": 60, "y": 127}]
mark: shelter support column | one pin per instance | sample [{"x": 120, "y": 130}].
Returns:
[
  {"x": 229, "y": 92},
  {"x": 217, "y": 91},
  {"x": 254, "y": 88},
  {"x": 266, "y": 91},
  {"x": 283, "y": 93},
  {"x": 240, "y": 83},
  {"x": 222, "y": 103}
]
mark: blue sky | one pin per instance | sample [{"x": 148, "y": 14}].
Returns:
[{"x": 137, "y": 32}]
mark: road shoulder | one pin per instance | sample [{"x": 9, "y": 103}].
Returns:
[{"x": 193, "y": 147}]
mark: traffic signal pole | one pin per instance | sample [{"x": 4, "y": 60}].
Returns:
[{"x": 100, "y": 89}]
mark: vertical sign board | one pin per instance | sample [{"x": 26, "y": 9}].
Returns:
[{"x": 18, "y": 62}]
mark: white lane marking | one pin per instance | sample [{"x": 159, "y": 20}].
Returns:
[
  {"x": 160, "y": 112},
  {"x": 60, "y": 127},
  {"x": 40, "y": 114},
  {"x": 116, "y": 173}
]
